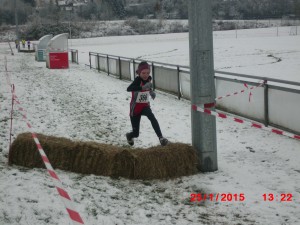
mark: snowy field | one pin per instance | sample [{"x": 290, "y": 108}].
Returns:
[
  {"x": 258, "y": 52},
  {"x": 82, "y": 104}
]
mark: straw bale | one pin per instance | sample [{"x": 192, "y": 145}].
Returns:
[
  {"x": 173, "y": 160},
  {"x": 81, "y": 157},
  {"x": 123, "y": 165},
  {"x": 94, "y": 158}
]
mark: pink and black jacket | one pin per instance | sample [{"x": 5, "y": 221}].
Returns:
[{"x": 139, "y": 98}]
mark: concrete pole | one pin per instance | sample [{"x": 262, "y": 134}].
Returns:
[
  {"x": 70, "y": 24},
  {"x": 202, "y": 82}
]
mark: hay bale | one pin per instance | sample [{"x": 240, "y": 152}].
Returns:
[
  {"x": 173, "y": 160},
  {"x": 123, "y": 165},
  {"x": 24, "y": 156},
  {"x": 80, "y": 157},
  {"x": 158, "y": 162},
  {"x": 94, "y": 158}
]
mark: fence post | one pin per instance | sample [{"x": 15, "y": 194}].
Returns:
[
  {"x": 98, "y": 62},
  {"x": 178, "y": 79},
  {"x": 90, "y": 60},
  {"x": 133, "y": 61},
  {"x": 77, "y": 57},
  {"x": 120, "y": 69},
  {"x": 129, "y": 69},
  {"x": 107, "y": 62},
  {"x": 72, "y": 56},
  {"x": 266, "y": 103},
  {"x": 12, "y": 53},
  {"x": 153, "y": 75}
]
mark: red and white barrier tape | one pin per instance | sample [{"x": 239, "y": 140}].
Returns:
[
  {"x": 11, "y": 114},
  {"x": 252, "y": 124},
  {"x": 241, "y": 91},
  {"x": 213, "y": 104},
  {"x": 64, "y": 196}
]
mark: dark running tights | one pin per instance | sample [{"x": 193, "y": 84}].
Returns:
[{"x": 135, "y": 122}]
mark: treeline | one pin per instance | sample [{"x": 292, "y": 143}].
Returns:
[
  {"x": 178, "y": 9},
  {"x": 7, "y": 11},
  {"x": 256, "y": 9},
  {"x": 149, "y": 9}
]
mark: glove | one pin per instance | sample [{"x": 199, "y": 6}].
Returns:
[
  {"x": 152, "y": 94},
  {"x": 147, "y": 86}
]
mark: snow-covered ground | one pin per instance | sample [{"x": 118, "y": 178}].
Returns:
[
  {"x": 82, "y": 104},
  {"x": 251, "y": 51}
]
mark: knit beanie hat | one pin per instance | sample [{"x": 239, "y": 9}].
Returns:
[{"x": 143, "y": 65}]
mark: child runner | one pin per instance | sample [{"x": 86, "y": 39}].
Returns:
[
  {"x": 23, "y": 43},
  {"x": 28, "y": 44},
  {"x": 140, "y": 88},
  {"x": 17, "y": 43}
]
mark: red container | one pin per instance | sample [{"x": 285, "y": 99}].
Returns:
[{"x": 58, "y": 60}]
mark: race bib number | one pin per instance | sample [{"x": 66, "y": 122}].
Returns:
[{"x": 143, "y": 97}]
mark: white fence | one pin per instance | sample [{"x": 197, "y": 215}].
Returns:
[{"x": 276, "y": 102}]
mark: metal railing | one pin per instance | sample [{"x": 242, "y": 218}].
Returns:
[
  {"x": 274, "y": 101},
  {"x": 74, "y": 56}
]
